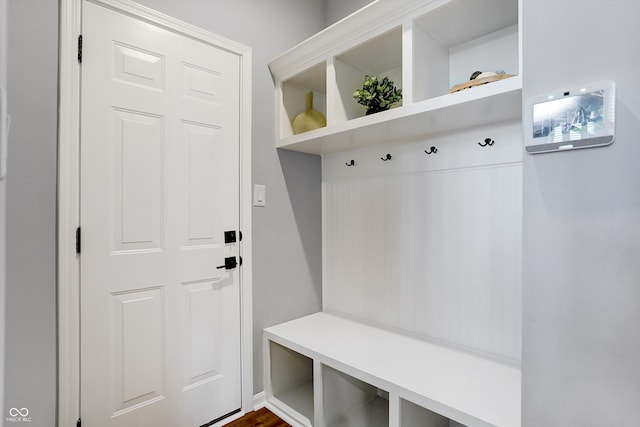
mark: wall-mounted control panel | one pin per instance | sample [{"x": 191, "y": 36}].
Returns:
[{"x": 581, "y": 117}]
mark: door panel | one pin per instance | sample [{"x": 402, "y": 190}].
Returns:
[
  {"x": 202, "y": 152},
  {"x": 204, "y": 307},
  {"x": 160, "y": 334},
  {"x": 138, "y": 353},
  {"x": 134, "y": 65},
  {"x": 138, "y": 181}
]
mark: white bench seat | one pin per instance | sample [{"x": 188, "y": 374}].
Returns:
[{"x": 465, "y": 388}]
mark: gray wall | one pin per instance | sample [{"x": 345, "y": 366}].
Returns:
[
  {"x": 335, "y": 10},
  {"x": 582, "y": 226},
  {"x": 31, "y": 210}
]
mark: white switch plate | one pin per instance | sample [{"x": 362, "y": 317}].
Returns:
[{"x": 259, "y": 195}]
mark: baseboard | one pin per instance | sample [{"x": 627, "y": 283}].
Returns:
[{"x": 259, "y": 401}]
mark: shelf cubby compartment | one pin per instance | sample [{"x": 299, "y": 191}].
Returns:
[
  {"x": 292, "y": 380},
  {"x": 294, "y": 91},
  {"x": 381, "y": 56},
  {"x": 460, "y": 37},
  {"x": 412, "y": 415},
  {"x": 349, "y": 402}
]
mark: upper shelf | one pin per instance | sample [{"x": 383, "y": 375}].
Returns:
[
  {"x": 426, "y": 47},
  {"x": 492, "y": 103}
]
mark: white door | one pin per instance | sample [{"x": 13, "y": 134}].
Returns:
[{"x": 160, "y": 322}]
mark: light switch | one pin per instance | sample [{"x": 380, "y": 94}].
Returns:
[{"x": 259, "y": 195}]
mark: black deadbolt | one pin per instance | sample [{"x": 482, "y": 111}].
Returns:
[{"x": 230, "y": 236}]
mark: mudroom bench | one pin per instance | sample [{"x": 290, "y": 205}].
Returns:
[{"x": 323, "y": 370}]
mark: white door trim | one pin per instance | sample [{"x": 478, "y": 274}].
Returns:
[{"x": 69, "y": 197}]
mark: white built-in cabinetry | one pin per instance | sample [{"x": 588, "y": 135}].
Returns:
[
  {"x": 426, "y": 47},
  {"x": 329, "y": 371},
  {"x": 422, "y": 222}
]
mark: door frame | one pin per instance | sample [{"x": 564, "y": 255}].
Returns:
[{"x": 68, "y": 263}]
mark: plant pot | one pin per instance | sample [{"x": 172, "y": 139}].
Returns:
[{"x": 374, "y": 110}]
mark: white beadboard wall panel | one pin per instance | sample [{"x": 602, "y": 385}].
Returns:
[
  {"x": 455, "y": 150},
  {"x": 430, "y": 249}
]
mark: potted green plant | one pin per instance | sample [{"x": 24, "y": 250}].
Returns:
[{"x": 377, "y": 94}]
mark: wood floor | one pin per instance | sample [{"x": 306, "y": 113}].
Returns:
[{"x": 260, "y": 418}]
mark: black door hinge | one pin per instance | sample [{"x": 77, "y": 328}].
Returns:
[
  {"x": 80, "y": 48},
  {"x": 78, "y": 240},
  {"x": 79, "y": 423}
]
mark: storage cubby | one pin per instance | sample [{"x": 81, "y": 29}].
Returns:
[
  {"x": 349, "y": 402},
  {"x": 460, "y": 37},
  {"x": 380, "y": 56},
  {"x": 412, "y": 415},
  {"x": 292, "y": 379},
  {"x": 294, "y": 91}
]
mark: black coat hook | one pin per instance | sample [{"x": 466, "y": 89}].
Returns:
[
  {"x": 432, "y": 150},
  {"x": 351, "y": 163},
  {"x": 487, "y": 141},
  {"x": 386, "y": 158}
]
